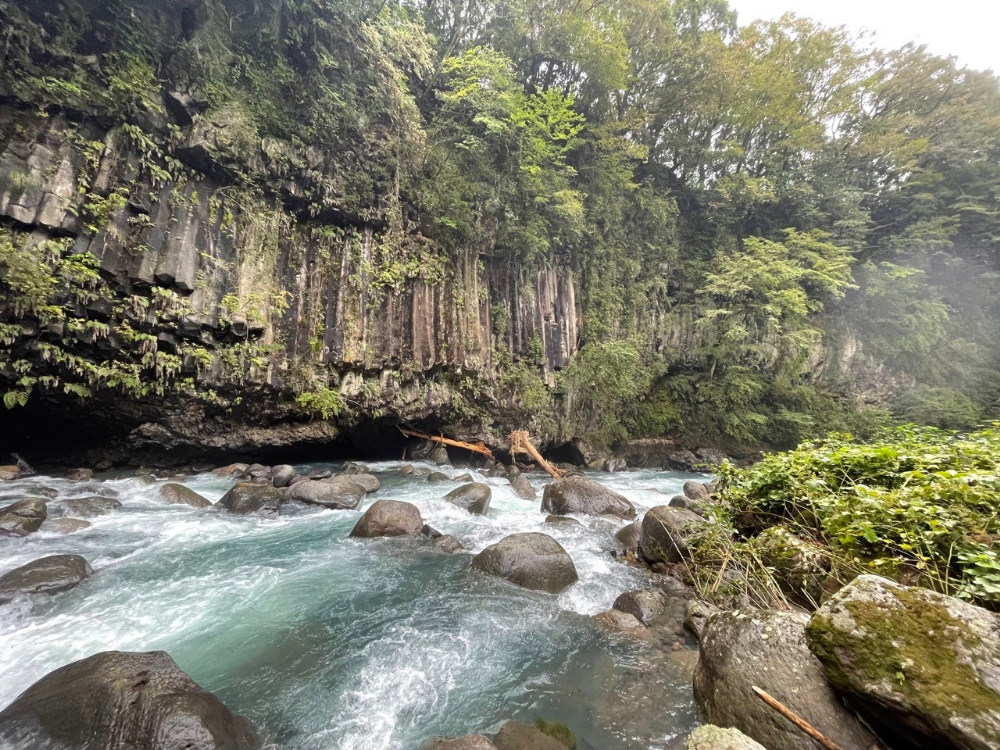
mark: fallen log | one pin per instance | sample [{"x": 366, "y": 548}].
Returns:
[
  {"x": 521, "y": 443},
  {"x": 474, "y": 447},
  {"x": 797, "y": 720}
]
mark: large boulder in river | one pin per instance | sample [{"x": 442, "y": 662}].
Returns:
[
  {"x": 178, "y": 494},
  {"x": 468, "y": 742},
  {"x": 340, "y": 492},
  {"x": 389, "y": 518},
  {"x": 711, "y": 737},
  {"x": 581, "y": 495},
  {"x": 665, "y": 533},
  {"x": 248, "y": 498},
  {"x": 741, "y": 649},
  {"x": 923, "y": 668},
  {"x": 48, "y": 575},
  {"x": 522, "y": 487},
  {"x": 369, "y": 482},
  {"x": 91, "y": 506},
  {"x": 474, "y": 497},
  {"x": 23, "y": 517},
  {"x": 123, "y": 701},
  {"x": 799, "y": 568},
  {"x": 532, "y": 560}
]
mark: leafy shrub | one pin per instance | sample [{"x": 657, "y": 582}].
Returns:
[
  {"x": 938, "y": 407},
  {"x": 920, "y": 504}
]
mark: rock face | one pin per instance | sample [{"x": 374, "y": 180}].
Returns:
[
  {"x": 124, "y": 701},
  {"x": 532, "y": 560},
  {"x": 91, "y": 506},
  {"x": 740, "y": 649},
  {"x": 340, "y": 492},
  {"x": 582, "y": 495},
  {"x": 474, "y": 497},
  {"x": 516, "y": 736},
  {"x": 49, "y": 575},
  {"x": 665, "y": 533},
  {"x": 247, "y": 498},
  {"x": 522, "y": 487},
  {"x": 23, "y": 517},
  {"x": 922, "y": 667},
  {"x": 389, "y": 518},
  {"x": 800, "y": 568},
  {"x": 710, "y": 737},
  {"x": 178, "y": 494},
  {"x": 468, "y": 742}
]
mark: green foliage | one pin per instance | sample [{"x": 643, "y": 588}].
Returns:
[
  {"x": 939, "y": 407},
  {"x": 916, "y": 503},
  {"x": 324, "y": 403},
  {"x": 557, "y": 731}
]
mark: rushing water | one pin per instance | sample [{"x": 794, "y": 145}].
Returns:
[{"x": 343, "y": 644}]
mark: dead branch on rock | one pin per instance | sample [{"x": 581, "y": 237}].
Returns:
[
  {"x": 521, "y": 443},
  {"x": 474, "y": 447},
  {"x": 797, "y": 720}
]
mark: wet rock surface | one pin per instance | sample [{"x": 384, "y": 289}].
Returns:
[
  {"x": 522, "y": 487},
  {"x": 532, "y": 560},
  {"x": 178, "y": 494},
  {"x": 474, "y": 497},
  {"x": 95, "y": 505},
  {"x": 124, "y": 701},
  {"x": 248, "y": 498},
  {"x": 48, "y": 575},
  {"x": 339, "y": 492},
  {"x": 516, "y": 736},
  {"x": 665, "y": 531},
  {"x": 65, "y": 525},
  {"x": 711, "y": 737},
  {"x": 585, "y": 496},
  {"x": 468, "y": 742},
  {"x": 23, "y": 517},
  {"x": 389, "y": 518}
]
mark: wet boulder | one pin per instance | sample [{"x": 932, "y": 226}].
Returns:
[
  {"x": 178, "y": 494},
  {"x": 696, "y": 614},
  {"x": 532, "y": 560},
  {"x": 564, "y": 520},
  {"x": 368, "y": 481},
  {"x": 248, "y": 498},
  {"x": 23, "y": 517},
  {"x": 628, "y": 536},
  {"x": 94, "y": 505},
  {"x": 616, "y": 621},
  {"x": 921, "y": 667},
  {"x": 468, "y": 742},
  {"x": 353, "y": 468},
  {"x": 581, "y": 495},
  {"x": 799, "y": 568},
  {"x": 612, "y": 465},
  {"x": 474, "y": 497},
  {"x": 711, "y": 737},
  {"x": 389, "y": 518},
  {"x": 439, "y": 455},
  {"x": 48, "y": 575},
  {"x": 79, "y": 475},
  {"x": 438, "y": 476},
  {"x": 741, "y": 649},
  {"x": 665, "y": 533},
  {"x": 339, "y": 492},
  {"x": 522, "y": 487},
  {"x": 644, "y": 604},
  {"x": 697, "y": 491},
  {"x": 497, "y": 471},
  {"x": 9, "y": 472},
  {"x": 447, "y": 543},
  {"x": 516, "y": 736},
  {"x": 123, "y": 701},
  {"x": 65, "y": 525},
  {"x": 282, "y": 475}
]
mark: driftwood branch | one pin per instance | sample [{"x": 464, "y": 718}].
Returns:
[
  {"x": 797, "y": 720},
  {"x": 474, "y": 447},
  {"x": 521, "y": 443}
]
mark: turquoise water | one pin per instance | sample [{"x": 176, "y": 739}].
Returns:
[{"x": 329, "y": 642}]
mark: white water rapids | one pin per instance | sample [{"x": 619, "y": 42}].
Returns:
[{"x": 326, "y": 642}]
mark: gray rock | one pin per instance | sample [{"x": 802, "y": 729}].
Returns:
[
  {"x": 516, "y": 736},
  {"x": 258, "y": 471},
  {"x": 582, "y": 495},
  {"x": 466, "y": 477},
  {"x": 665, "y": 533},
  {"x": 91, "y": 506},
  {"x": 247, "y": 498},
  {"x": 711, "y": 737},
  {"x": 232, "y": 470},
  {"x": 923, "y": 668},
  {"x": 65, "y": 525},
  {"x": 439, "y": 455},
  {"x": 178, "y": 494},
  {"x": 522, "y": 487},
  {"x": 644, "y": 605},
  {"x": 741, "y": 649},
  {"x": 799, "y": 568},
  {"x": 406, "y": 470},
  {"x": 612, "y": 465},
  {"x": 532, "y": 560},
  {"x": 565, "y": 520},
  {"x": 368, "y": 481},
  {"x": 353, "y": 468},
  {"x": 468, "y": 742},
  {"x": 679, "y": 501},
  {"x": 498, "y": 470},
  {"x": 628, "y": 536},
  {"x": 616, "y": 621},
  {"x": 696, "y": 614},
  {"x": 48, "y": 575},
  {"x": 340, "y": 492},
  {"x": 447, "y": 543},
  {"x": 123, "y": 701},
  {"x": 282, "y": 475},
  {"x": 696, "y": 491},
  {"x": 23, "y": 517},
  {"x": 474, "y": 497},
  {"x": 389, "y": 518},
  {"x": 437, "y": 476},
  {"x": 79, "y": 475},
  {"x": 319, "y": 474}
]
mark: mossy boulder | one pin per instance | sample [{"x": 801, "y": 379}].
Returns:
[
  {"x": 577, "y": 494},
  {"x": 711, "y": 737},
  {"x": 123, "y": 701},
  {"x": 532, "y": 560},
  {"x": 922, "y": 667},
  {"x": 665, "y": 533},
  {"x": 800, "y": 568},
  {"x": 389, "y": 518},
  {"x": 23, "y": 517},
  {"x": 474, "y": 497},
  {"x": 744, "y": 648},
  {"x": 178, "y": 494}
]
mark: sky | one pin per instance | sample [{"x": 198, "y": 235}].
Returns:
[{"x": 967, "y": 29}]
